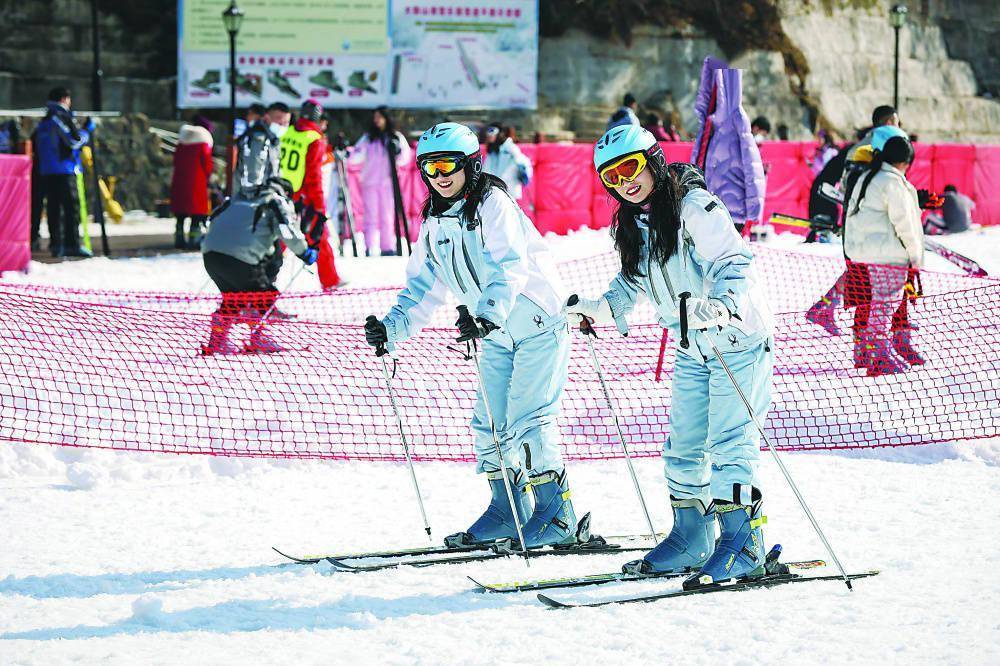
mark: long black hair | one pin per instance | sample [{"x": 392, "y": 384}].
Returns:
[
  {"x": 663, "y": 219},
  {"x": 897, "y": 150},
  {"x": 374, "y": 133},
  {"x": 477, "y": 188}
]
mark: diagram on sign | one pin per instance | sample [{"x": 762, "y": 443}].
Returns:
[{"x": 454, "y": 70}]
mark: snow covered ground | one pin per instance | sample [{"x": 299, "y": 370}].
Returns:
[{"x": 143, "y": 558}]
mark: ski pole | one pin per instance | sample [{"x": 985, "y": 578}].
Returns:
[
  {"x": 473, "y": 353},
  {"x": 767, "y": 440},
  {"x": 589, "y": 333},
  {"x": 345, "y": 191},
  {"x": 381, "y": 352}
]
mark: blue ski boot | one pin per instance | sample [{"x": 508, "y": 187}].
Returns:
[
  {"x": 497, "y": 522},
  {"x": 553, "y": 521},
  {"x": 688, "y": 546},
  {"x": 739, "y": 552}
]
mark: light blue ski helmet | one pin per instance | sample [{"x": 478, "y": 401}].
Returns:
[
  {"x": 620, "y": 141},
  {"x": 448, "y": 138},
  {"x": 624, "y": 140},
  {"x": 883, "y": 133}
]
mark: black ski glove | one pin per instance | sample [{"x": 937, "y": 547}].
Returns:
[
  {"x": 470, "y": 329},
  {"x": 375, "y": 333}
]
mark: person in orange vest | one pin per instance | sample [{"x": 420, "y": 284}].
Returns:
[{"x": 303, "y": 150}]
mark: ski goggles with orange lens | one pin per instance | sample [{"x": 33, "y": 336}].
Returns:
[
  {"x": 624, "y": 170},
  {"x": 441, "y": 166}
]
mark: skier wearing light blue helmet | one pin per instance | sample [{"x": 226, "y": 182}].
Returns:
[
  {"x": 478, "y": 246},
  {"x": 679, "y": 248}
]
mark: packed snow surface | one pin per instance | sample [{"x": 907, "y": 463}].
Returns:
[{"x": 151, "y": 558}]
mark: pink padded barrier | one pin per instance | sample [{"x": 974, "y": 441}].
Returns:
[{"x": 15, "y": 212}]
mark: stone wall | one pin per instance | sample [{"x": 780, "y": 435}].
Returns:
[
  {"x": 850, "y": 59},
  {"x": 47, "y": 43}
]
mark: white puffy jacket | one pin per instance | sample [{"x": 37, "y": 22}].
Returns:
[
  {"x": 886, "y": 229},
  {"x": 507, "y": 163}
]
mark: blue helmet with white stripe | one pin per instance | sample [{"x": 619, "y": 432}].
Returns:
[
  {"x": 620, "y": 141},
  {"x": 624, "y": 140},
  {"x": 448, "y": 138}
]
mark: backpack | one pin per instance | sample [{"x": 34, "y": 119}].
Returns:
[{"x": 258, "y": 152}]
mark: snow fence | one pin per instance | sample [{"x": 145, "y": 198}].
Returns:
[{"x": 123, "y": 370}]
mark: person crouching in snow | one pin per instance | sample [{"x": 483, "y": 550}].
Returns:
[
  {"x": 884, "y": 233},
  {"x": 674, "y": 236},
  {"x": 237, "y": 251},
  {"x": 478, "y": 245}
]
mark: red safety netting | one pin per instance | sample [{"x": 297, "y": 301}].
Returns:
[{"x": 123, "y": 370}]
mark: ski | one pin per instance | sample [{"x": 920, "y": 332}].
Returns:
[
  {"x": 602, "y": 578},
  {"x": 595, "y": 546},
  {"x": 769, "y": 580},
  {"x": 968, "y": 265},
  {"x": 407, "y": 552}
]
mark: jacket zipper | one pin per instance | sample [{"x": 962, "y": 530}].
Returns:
[{"x": 468, "y": 263}]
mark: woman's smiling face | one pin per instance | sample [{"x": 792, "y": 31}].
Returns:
[
  {"x": 639, "y": 189},
  {"x": 449, "y": 186}
]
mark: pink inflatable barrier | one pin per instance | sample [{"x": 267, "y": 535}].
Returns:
[
  {"x": 15, "y": 212},
  {"x": 566, "y": 195}
]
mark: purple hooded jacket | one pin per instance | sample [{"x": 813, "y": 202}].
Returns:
[{"x": 725, "y": 148}]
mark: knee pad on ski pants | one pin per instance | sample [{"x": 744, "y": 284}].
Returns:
[
  {"x": 713, "y": 446},
  {"x": 524, "y": 370}
]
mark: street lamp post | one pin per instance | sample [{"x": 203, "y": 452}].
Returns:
[
  {"x": 96, "y": 73},
  {"x": 232, "y": 18},
  {"x": 898, "y": 19}
]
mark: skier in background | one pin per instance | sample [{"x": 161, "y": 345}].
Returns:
[
  {"x": 858, "y": 158},
  {"x": 505, "y": 160},
  {"x": 675, "y": 236},
  {"x": 884, "y": 238},
  {"x": 373, "y": 153},
  {"x": 58, "y": 141},
  {"x": 303, "y": 151},
  {"x": 478, "y": 245},
  {"x": 237, "y": 249},
  {"x": 193, "y": 169},
  {"x": 626, "y": 113}
]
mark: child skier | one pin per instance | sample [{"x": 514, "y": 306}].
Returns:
[
  {"x": 674, "y": 236},
  {"x": 476, "y": 243}
]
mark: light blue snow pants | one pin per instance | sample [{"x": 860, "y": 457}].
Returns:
[
  {"x": 713, "y": 447},
  {"x": 524, "y": 369}
]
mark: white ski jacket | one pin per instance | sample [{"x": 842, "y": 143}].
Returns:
[{"x": 886, "y": 229}]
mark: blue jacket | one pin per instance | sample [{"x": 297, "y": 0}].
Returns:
[
  {"x": 58, "y": 142},
  {"x": 712, "y": 261},
  {"x": 491, "y": 265}
]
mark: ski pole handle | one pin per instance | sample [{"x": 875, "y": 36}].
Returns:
[
  {"x": 585, "y": 326},
  {"x": 380, "y": 350},
  {"x": 684, "y": 319}
]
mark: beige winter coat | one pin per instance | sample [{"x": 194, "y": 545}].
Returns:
[{"x": 887, "y": 228}]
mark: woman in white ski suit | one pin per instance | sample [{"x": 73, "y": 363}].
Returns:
[
  {"x": 712, "y": 451},
  {"x": 506, "y": 161},
  {"x": 496, "y": 264}
]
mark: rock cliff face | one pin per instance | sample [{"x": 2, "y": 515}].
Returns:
[
  {"x": 834, "y": 67},
  {"x": 850, "y": 59}
]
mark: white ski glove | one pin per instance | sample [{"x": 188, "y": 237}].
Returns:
[
  {"x": 706, "y": 313},
  {"x": 598, "y": 311}
]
